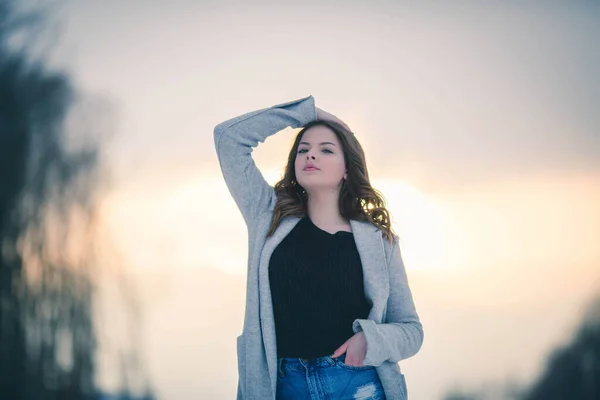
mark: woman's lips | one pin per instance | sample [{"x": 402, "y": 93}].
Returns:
[{"x": 311, "y": 169}]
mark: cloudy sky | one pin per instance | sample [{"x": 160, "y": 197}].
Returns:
[{"x": 480, "y": 127}]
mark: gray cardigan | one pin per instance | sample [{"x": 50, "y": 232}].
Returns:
[{"x": 392, "y": 330}]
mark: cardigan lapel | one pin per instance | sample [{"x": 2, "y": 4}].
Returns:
[
  {"x": 266, "y": 306},
  {"x": 369, "y": 243}
]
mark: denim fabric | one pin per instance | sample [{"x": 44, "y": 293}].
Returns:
[{"x": 327, "y": 378}]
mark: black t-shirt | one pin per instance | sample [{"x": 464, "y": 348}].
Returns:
[{"x": 317, "y": 290}]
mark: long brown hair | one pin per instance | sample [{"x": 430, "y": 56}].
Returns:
[{"x": 358, "y": 200}]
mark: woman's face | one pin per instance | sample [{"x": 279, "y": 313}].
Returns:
[{"x": 320, "y": 146}]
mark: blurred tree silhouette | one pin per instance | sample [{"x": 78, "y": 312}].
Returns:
[
  {"x": 573, "y": 372},
  {"x": 49, "y": 188},
  {"x": 456, "y": 395}
]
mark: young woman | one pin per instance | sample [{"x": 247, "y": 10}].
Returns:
[{"x": 329, "y": 312}]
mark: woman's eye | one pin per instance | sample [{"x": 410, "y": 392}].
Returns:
[{"x": 324, "y": 150}]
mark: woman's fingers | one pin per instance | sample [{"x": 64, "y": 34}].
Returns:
[
  {"x": 340, "y": 350},
  {"x": 321, "y": 114}
]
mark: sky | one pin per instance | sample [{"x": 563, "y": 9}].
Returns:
[{"x": 479, "y": 124}]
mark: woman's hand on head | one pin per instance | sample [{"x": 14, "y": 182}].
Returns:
[{"x": 321, "y": 114}]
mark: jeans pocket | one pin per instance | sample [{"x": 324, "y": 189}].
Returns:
[{"x": 340, "y": 361}]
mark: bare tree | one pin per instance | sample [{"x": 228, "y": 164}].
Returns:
[{"x": 49, "y": 188}]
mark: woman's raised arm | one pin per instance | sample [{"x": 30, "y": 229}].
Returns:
[{"x": 237, "y": 137}]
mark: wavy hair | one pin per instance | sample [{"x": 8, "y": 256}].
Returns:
[{"x": 358, "y": 200}]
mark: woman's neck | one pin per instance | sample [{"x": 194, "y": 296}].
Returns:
[{"x": 323, "y": 210}]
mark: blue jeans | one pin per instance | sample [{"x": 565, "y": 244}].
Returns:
[{"x": 326, "y": 378}]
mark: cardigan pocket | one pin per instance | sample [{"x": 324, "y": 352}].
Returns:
[
  {"x": 403, "y": 388},
  {"x": 399, "y": 381},
  {"x": 241, "y": 354}
]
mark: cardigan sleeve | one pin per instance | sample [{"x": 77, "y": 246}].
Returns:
[
  {"x": 401, "y": 334},
  {"x": 237, "y": 137}
]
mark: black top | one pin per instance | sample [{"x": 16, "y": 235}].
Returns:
[{"x": 317, "y": 290}]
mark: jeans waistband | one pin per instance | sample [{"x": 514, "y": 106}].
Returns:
[{"x": 298, "y": 364}]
